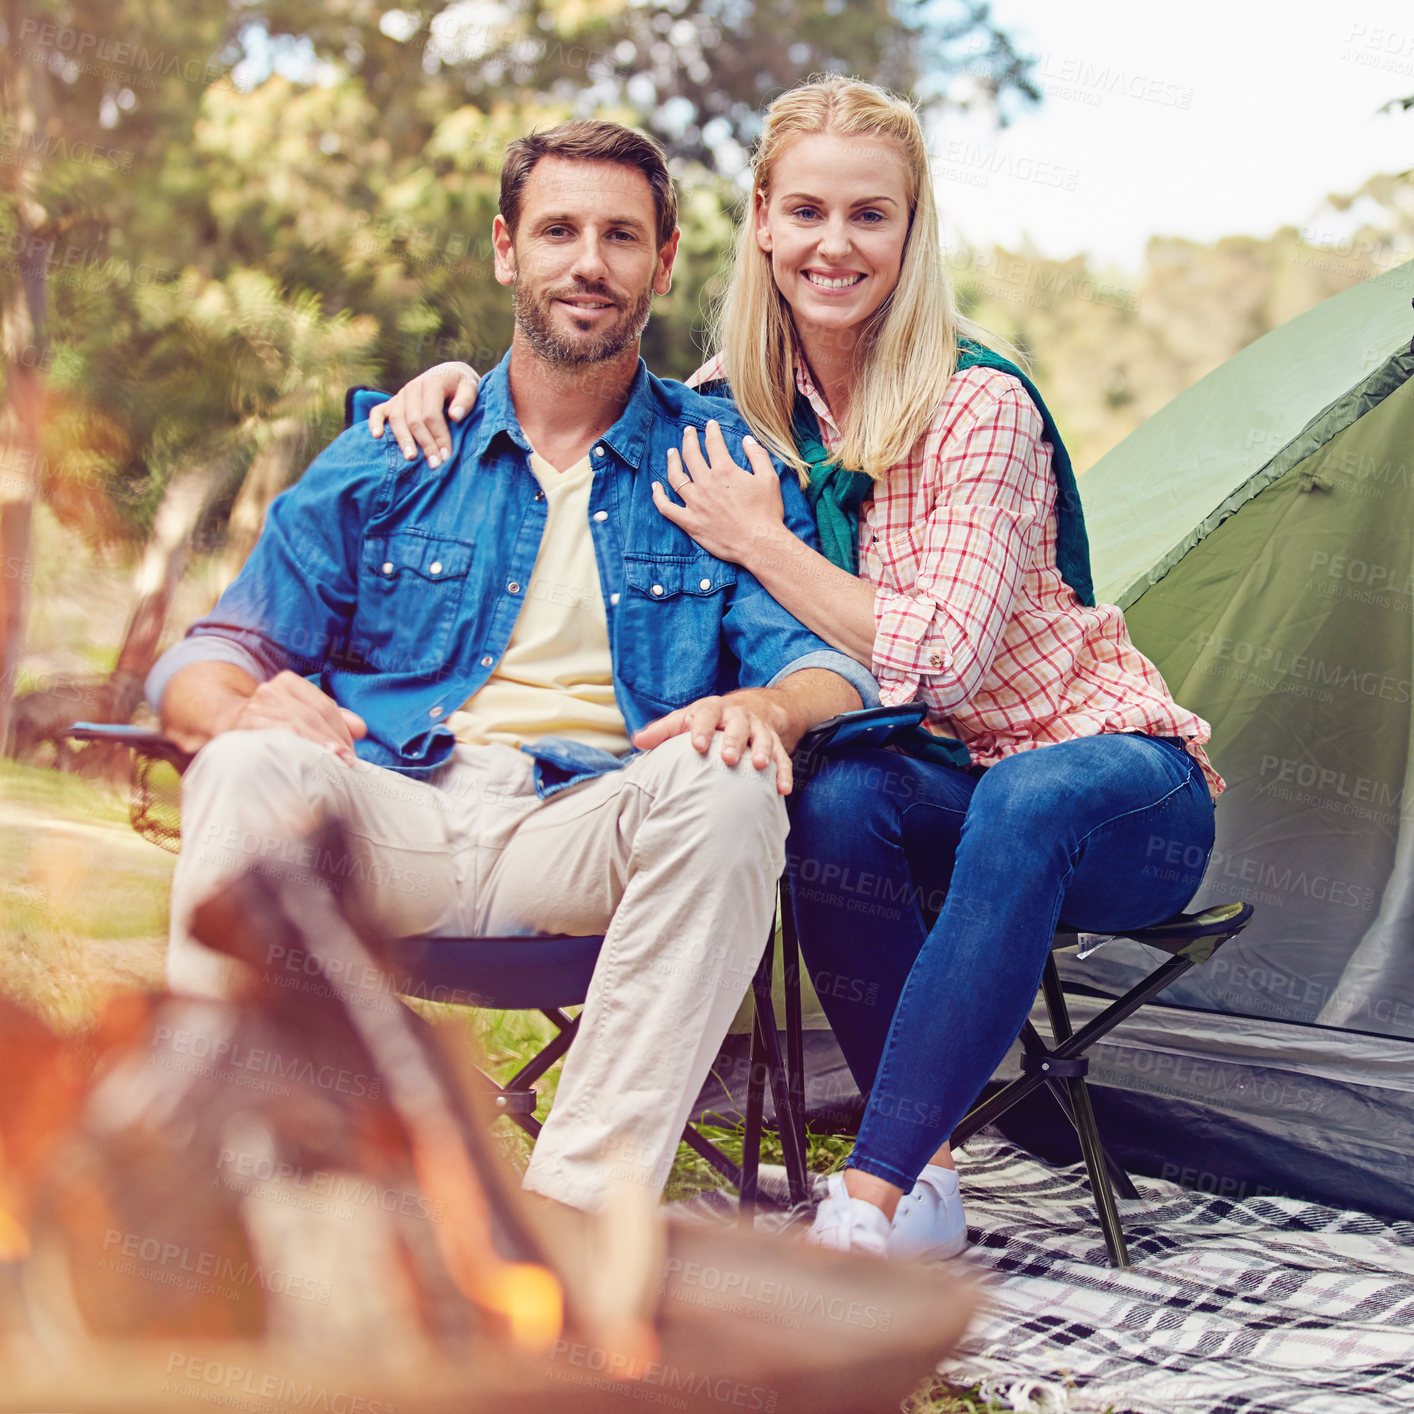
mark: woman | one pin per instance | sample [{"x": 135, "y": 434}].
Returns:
[{"x": 1058, "y": 782}]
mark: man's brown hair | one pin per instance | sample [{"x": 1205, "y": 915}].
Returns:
[{"x": 590, "y": 140}]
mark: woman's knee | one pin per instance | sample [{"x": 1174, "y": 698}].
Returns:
[
  {"x": 848, "y": 789},
  {"x": 1027, "y": 788}
]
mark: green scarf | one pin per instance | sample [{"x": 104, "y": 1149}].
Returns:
[{"x": 835, "y": 494}]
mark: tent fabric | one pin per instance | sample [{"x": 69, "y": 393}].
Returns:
[
  {"x": 1290, "y": 629},
  {"x": 1162, "y": 489},
  {"x": 1272, "y": 584}
]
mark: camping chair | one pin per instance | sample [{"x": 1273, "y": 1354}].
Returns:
[
  {"x": 1060, "y": 1066},
  {"x": 1187, "y": 939},
  {"x": 544, "y": 974}
]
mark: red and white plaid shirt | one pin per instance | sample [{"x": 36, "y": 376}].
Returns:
[{"x": 959, "y": 543}]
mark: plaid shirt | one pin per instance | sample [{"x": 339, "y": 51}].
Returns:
[{"x": 970, "y": 609}]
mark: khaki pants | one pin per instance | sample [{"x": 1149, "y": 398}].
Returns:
[{"x": 674, "y": 858}]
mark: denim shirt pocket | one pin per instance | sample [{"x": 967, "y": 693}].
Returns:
[
  {"x": 410, "y": 587},
  {"x": 670, "y": 626}
]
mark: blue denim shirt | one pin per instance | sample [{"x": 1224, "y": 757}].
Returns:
[{"x": 394, "y": 587}]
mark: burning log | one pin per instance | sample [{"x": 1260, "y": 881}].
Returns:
[{"x": 296, "y": 1185}]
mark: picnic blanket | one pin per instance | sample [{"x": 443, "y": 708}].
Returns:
[{"x": 1268, "y": 1305}]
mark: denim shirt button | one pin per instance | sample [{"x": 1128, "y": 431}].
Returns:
[
  {"x": 657, "y": 589},
  {"x": 388, "y": 567},
  {"x": 513, "y": 588},
  {"x": 614, "y": 597},
  {"x": 435, "y": 712},
  {"x": 487, "y": 661},
  {"x": 598, "y": 451},
  {"x": 601, "y": 515},
  {"x": 435, "y": 567},
  {"x": 706, "y": 584}
]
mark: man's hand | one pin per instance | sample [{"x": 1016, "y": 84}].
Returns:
[
  {"x": 415, "y": 413},
  {"x": 757, "y": 719},
  {"x": 205, "y": 699},
  {"x": 290, "y": 701}
]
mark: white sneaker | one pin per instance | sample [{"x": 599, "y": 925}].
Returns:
[
  {"x": 845, "y": 1224},
  {"x": 929, "y": 1223}
]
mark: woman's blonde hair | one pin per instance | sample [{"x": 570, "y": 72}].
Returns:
[{"x": 909, "y": 348}]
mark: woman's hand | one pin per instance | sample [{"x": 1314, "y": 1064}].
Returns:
[
  {"x": 727, "y": 509},
  {"x": 415, "y": 413}
]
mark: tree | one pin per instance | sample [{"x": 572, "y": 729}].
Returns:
[
  {"x": 74, "y": 131},
  {"x": 699, "y": 75}
]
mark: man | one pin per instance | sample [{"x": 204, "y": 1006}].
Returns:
[{"x": 525, "y": 593}]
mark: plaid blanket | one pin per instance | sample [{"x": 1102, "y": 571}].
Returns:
[{"x": 1264, "y": 1306}]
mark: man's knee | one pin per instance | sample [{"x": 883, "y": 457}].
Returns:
[
  {"x": 255, "y": 756},
  {"x": 241, "y": 779},
  {"x": 683, "y": 778}
]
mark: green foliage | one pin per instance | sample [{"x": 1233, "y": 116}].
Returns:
[{"x": 249, "y": 205}]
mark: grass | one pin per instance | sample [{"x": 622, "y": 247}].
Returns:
[
  {"x": 83, "y": 905},
  {"x": 936, "y": 1396},
  {"x": 83, "y": 913}
]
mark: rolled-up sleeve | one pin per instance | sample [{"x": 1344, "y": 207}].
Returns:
[
  {"x": 200, "y": 648},
  {"x": 947, "y": 583},
  {"x": 853, "y": 672}
]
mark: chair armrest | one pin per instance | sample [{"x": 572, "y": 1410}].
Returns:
[
  {"x": 141, "y": 740},
  {"x": 866, "y": 726}
]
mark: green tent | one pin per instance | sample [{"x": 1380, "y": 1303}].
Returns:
[{"x": 1259, "y": 534}]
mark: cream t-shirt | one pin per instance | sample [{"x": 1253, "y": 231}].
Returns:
[{"x": 556, "y": 676}]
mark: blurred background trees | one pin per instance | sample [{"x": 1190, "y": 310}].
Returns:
[{"x": 217, "y": 214}]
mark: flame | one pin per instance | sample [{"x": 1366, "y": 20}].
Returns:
[
  {"x": 531, "y": 1299},
  {"x": 528, "y": 1296},
  {"x": 14, "y": 1238}
]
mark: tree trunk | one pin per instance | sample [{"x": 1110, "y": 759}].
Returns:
[
  {"x": 163, "y": 562},
  {"x": 272, "y": 469},
  {"x": 22, "y": 347}
]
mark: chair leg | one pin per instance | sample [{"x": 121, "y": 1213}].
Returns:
[
  {"x": 788, "y": 1120},
  {"x": 1097, "y": 1162},
  {"x": 795, "y": 1029},
  {"x": 512, "y": 1102},
  {"x": 714, "y": 1156},
  {"x": 1032, "y": 1043},
  {"x": 528, "y": 1074},
  {"x": 1094, "y": 1153},
  {"x": 1121, "y": 1182},
  {"x": 751, "y": 1132}
]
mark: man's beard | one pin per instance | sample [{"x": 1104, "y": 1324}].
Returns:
[{"x": 534, "y": 319}]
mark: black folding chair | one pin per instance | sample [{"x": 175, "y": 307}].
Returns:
[
  {"x": 544, "y": 974},
  {"x": 1188, "y": 939}
]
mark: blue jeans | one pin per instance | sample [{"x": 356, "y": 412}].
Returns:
[{"x": 926, "y": 898}]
